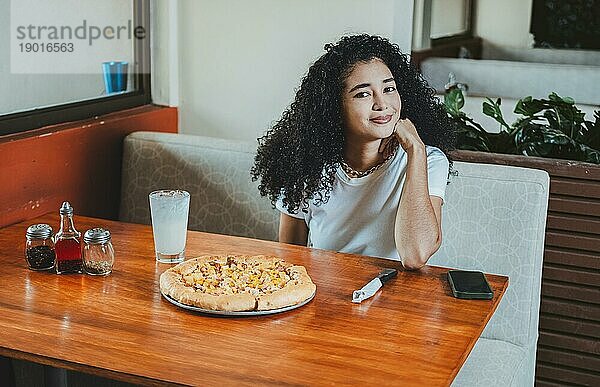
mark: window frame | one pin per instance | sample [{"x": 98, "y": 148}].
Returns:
[
  {"x": 458, "y": 37},
  {"x": 35, "y": 118}
]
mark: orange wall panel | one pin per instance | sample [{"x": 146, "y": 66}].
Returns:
[{"x": 79, "y": 162}]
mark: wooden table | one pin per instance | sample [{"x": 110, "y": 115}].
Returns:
[{"x": 413, "y": 332}]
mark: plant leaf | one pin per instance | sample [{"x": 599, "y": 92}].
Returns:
[
  {"x": 492, "y": 109},
  {"x": 528, "y": 106},
  {"x": 557, "y": 98},
  {"x": 454, "y": 101},
  {"x": 590, "y": 132}
]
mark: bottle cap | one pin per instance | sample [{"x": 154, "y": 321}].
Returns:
[
  {"x": 96, "y": 236},
  {"x": 66, "y": 209},
  {"x": 40, "y": 231}
]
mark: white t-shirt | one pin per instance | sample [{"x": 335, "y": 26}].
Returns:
[{"x": 360, "y": 215}]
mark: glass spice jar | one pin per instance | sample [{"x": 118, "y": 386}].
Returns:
[
  {"x": 98, "y": 252},
  {"x": 39, "y": 247}
]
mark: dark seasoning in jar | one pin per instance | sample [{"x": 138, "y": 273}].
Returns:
[{"x": 39, "y": 247}]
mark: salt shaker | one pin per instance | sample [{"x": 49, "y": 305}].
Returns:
[
  {"x": 39, "y": 247},
  {"x": 98, "y": 252}
]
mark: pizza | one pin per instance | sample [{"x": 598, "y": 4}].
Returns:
[{"x": 237, "y": 283}]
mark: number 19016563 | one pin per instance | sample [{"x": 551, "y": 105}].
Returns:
[{"x": 46, "y": 47}]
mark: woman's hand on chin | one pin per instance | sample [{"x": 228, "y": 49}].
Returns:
[
  {"x": 404, "y": 134},
  {"x": 388, "y": 145}
]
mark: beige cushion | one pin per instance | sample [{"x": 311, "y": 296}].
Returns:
[{"x": 216, "y": 172}]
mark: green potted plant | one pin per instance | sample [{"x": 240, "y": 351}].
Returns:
[{"x": 553, "y": 128}]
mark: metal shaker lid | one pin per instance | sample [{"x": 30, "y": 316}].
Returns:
[
  {"x": 66, "y": 209},
  {"x": 96, "y": 235},
  {"x": 39, "y": 231}
]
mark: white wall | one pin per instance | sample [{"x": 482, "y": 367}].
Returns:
[
  {"x": 239, "y": 61},
  {"x": 504, "y": 23}
]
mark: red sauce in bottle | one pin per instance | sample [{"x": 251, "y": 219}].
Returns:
[
  {"x": 67, "y": 243},
  {"x": 68, "y": 256}
]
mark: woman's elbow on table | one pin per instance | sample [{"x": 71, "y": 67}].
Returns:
[
  {"x": 413, "y": 264},
  {"x": 418, "y": 259}
]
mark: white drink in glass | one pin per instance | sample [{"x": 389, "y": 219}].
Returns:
[{"x": 169, "y": 210}]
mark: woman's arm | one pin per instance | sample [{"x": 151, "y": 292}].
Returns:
[
  {"x": 417, "y": 230},
  {"x": 292, "y": 230}
]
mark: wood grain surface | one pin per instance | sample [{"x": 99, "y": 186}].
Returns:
[{"x": 413, "y": 332}]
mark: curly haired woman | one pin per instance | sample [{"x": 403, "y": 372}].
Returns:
[{"x": 357, "y": 162}]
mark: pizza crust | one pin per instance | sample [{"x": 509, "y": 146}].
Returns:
[
  {"x": 298, "y": 288},
  {"x": 293, "y": 293}
]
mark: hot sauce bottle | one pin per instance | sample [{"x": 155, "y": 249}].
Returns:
[{"x": 67, "y": 243}]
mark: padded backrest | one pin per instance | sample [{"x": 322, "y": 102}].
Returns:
[
  {"x": 216, "y": 172},
  {"x": 511, "y": 79},
  {"x": 494, "y": 220}
]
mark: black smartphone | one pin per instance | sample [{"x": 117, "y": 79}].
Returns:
[{"x": 469, "y": 284}]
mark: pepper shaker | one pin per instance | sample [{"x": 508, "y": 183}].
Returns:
[{"x": 39, "y": 247}]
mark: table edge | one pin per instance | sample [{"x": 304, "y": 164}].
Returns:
[{"x": 73, "y": 366}]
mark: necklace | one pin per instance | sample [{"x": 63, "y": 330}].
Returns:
[{"x": 353, "y": 173}]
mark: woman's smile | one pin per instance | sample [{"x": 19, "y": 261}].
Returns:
[{"x": 382, "y": 120}]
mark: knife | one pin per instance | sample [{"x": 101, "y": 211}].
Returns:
[{"x": 373, "y": 286}]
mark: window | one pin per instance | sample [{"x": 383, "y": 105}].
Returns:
[
  {"x": 54, "y": 71},
  {"x": 438, "y": 22},
  {"x": 450, "y": 19}
]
